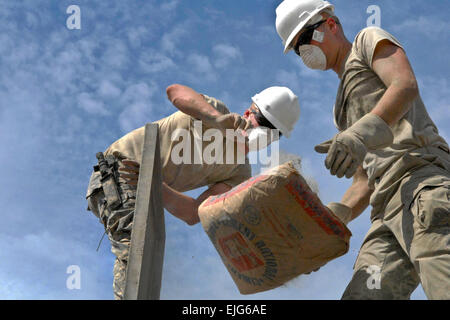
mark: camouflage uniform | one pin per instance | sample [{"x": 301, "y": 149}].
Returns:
[
  {"x": 409, "y": 241},
  {"x": 117, "y": 223}
]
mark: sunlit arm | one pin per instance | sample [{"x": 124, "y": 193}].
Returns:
[
  {"x": 358, "y": 194},
  {"x": 391, "y": 64},
  {"x": 191, "y": 102},
  {"x": 185, "y": 207}
]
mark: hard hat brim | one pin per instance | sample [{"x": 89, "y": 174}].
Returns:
[
  {"x": 272, "y": 120},
  {"x": 300, "y": 26}
]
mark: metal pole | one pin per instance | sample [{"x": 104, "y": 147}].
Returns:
[{"x": 146, "y": 256}]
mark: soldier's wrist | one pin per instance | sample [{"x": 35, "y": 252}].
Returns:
[
  {"x": 343, "y": 212},
  {"x": 374, "y": 132}
]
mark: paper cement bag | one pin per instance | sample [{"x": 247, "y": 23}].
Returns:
[{"x": 272, "y": 228}]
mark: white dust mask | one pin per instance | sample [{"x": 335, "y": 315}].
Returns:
[
  {"x": 313, "y": 57},
  {"x": 259, "y": 138}
]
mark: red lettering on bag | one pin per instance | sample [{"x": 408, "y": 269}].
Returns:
[
  {"x": 235, "y": 248},
  {"x": 309, "y": 202}
]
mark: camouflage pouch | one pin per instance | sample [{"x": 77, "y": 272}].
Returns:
[{"x": 107, "y": 167}]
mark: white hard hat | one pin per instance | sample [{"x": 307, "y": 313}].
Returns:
[
  {"x": 280, "y": 106},
  {"x": 293, "y": 15}
]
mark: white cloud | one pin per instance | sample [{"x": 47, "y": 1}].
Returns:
[
  {"x": 137, "y": 36},
  {"x": 91, "y": 105},
  {"x": 202, "y": 69},
  {"x": 137, "y": 106},
  {"x": 31, "y": 19},
  {"x": 41, "y": 260},
  {"x": 428, "y": 26},
  {"x": 226, "y": 54},
  {"x": 138, "y": 92},
  {"x": 73, "y": 129},
  {"x": 435, "y": 92},
  {"x": 169, "y": 40},
  {"x": 134, "y": 116},
  {"x": 155, "y": 62},
  {"x": 169, "y": 6},
  {"x": 116, "y": 54},
  {"x": 260, "y": 34},
  {"x": 108, "y": 89},
  {"x": 289, "y": 79}
]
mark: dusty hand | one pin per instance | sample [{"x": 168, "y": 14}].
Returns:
[
  {"x": 232, "y": 121},
  {"x": 130, "y": 172}
]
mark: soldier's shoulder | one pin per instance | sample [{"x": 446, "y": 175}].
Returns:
[{"x": 372, "y": 32}]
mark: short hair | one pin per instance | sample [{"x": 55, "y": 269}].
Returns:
[{"x": 329, "y": 12}]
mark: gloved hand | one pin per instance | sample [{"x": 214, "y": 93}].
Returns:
[
  {"x": 232, "y": 121},
  {"x": 341, "y": 211},
  {"x": 347, "y": 150}
]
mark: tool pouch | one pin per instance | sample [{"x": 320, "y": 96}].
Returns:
[{"x": 108, "y": 169}]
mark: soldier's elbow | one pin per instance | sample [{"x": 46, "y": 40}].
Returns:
[{"x": 173, "y": 91}]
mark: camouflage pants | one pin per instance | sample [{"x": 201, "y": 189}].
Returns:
[
  {"x": 408, "y": 245},
  {"x": 118, "y": 225}
]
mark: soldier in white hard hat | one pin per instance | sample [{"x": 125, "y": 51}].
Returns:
[
  {"x": 389, "y": 145},
  {"x": 275, "y": 108}
]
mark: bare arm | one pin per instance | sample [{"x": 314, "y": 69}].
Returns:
[
  {"x": 194, "y": 104},
  {"x": 191, "y": 102},
  {"x": 185, "y": 207},
  {"x": 358, "y": 194},
  {"x": 391, "y": 64},
  {"x": 177, "y": 203}
]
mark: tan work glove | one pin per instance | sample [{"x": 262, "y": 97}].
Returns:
[
  {"x": 232, "y": 121},
  {"x": 341, "y": 211},
  {"x": 347, "y": 150}
]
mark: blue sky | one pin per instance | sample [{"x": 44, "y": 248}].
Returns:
[{"x": 67, "y": 94}]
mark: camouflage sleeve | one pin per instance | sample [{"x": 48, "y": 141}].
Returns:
[
  {"x": 94, "y": 184},
  {"x": 367, "y": 40}
]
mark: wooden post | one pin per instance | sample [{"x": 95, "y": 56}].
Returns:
[{"x": 146, "y": 256}]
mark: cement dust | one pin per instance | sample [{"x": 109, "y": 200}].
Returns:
[{"x": 284, "y": 157}]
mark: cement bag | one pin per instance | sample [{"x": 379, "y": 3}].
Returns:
[{"x": 272, "y": 228}]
